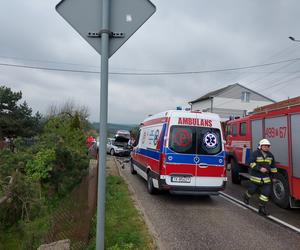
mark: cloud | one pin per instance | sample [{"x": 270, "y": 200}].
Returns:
[{"x": 181, "y": 36}]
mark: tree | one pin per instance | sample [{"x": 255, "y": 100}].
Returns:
[
  {"x": 16, "y": 119},
  {"x": 78, "y": 114}
]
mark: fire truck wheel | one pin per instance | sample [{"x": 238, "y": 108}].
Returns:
[
  {"x": 280, "y": 191},
  {"x": 235, "y": 170},
  {"x": 150, "y": 187},
  {"x": 132, "y": 171}
]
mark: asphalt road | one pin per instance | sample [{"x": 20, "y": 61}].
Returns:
[
  {"x": 191, "y": 222},
  {"x": 291, "y": 216}
]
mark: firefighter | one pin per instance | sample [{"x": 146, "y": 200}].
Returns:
[{"x": 262, "y": 164}]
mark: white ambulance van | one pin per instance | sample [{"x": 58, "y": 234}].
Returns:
[{"x": 181, "y": 151}]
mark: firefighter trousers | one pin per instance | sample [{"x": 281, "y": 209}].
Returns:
[{"x": 263, "y": 189}]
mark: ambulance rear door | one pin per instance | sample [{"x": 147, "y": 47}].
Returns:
[
  {"x": 180, "y": 156},
  {"x": 210, "y": 171}
]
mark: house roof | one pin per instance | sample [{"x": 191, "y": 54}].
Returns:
[{"x": 219, "y": 91}]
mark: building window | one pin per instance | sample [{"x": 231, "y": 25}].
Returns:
[{"x": 245, "y": 97}]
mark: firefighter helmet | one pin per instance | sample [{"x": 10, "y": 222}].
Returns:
[{"x": 264, "y": 142}]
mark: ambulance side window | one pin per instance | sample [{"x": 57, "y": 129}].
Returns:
[
  {"x": 137, "y": 139},
  {"x": 242, "y": 128},
  {"x": 234, "y": 130}
]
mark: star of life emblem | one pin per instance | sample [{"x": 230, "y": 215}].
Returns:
[{"x": 210, "y": 140}]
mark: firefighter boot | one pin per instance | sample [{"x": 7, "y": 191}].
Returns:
[
  {"x": 246, "y": 198},
  {"x": 262, "y": 210}
]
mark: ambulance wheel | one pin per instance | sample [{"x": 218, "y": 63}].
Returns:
[
  {"x": 280, "y": 191},
  {"x": 112, "y": 152},
  {"x": 132, "y": 171},
  {"x": 150, "y": 187},
  {"x": 235, "y": 172}
]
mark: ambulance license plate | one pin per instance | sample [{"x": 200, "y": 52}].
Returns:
[{"x": 181, "y": 179}]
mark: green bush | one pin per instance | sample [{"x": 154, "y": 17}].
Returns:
[
  {"x": 24, "y": 201},
  {"x": 41, "y": 165},
  {"x": 44, "y": 169}
]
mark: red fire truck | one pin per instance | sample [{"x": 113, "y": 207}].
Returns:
[{"x": 280, "y": 124}]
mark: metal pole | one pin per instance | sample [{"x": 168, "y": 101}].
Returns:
[{"x": 103, "y": 125}]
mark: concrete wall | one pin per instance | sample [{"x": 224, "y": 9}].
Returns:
[
  {"x": 59, "y": 245},
  {"x": 201, "y": 105},
  {"x": 236, "y": 93},
  {"x": 230, "y": 103}
]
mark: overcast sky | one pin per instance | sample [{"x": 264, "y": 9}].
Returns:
[{"x": 182, "y": 36}]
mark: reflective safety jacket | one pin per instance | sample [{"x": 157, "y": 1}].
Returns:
[{"x": 258, "y": 161}]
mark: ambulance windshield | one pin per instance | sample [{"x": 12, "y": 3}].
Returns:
[{"x": 195, "y": 140}]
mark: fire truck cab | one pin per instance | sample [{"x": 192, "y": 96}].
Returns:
[{"x": 279, "y": 123}]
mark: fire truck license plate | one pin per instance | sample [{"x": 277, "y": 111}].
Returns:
[{"x": 182, "y": 179}]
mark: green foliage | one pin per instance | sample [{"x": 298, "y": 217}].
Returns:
[
  {"x": 70, "y": 163},
  {"x": 41, "y": 165},
  {"x": 34, "y": 231},
  {"x": 43, "y": 169},
  {"x": 26, "y": 235},
  {"x": 10, "y": 161},
  {"x": 24, "y": 201},
  {"x": 16, "y": 119},
  {"x": 135, "y": 133}
]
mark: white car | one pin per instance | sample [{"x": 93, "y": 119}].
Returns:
[{"x": 118, "y": 146}]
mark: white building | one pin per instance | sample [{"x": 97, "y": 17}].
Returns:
[{"x": 233, "y": 100}]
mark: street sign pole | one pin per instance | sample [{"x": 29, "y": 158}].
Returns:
[
  {"x": 85, "y": 16},
  {"x": 104, "y": 33}
]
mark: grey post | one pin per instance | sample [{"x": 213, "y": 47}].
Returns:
[
  {"x": 103, "y": 125},
  {"x": 84, "y": 17}
]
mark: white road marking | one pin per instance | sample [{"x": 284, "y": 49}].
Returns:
[
  {"x": 233, "y": 202},
  {"x": 244, "y": 206}
]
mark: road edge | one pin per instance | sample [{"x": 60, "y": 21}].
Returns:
[{"x": 141, "y": 209}]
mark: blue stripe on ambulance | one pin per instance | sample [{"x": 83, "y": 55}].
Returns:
[
  {"x": 149, "y": 153},
  {"x": 189, "y": 158}
]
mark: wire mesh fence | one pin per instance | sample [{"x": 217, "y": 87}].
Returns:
[{"x": 72, "y": 220}]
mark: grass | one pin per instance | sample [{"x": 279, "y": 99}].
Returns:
[{"x": 124, "y": 226}]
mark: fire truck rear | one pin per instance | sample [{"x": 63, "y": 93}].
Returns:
[{"x": 280, "y": 124}]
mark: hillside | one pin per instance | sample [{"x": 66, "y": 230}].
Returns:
[{"x": 113, "y": 127}]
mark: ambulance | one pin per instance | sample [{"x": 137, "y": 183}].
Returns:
[{"x": 182, "y": 152}]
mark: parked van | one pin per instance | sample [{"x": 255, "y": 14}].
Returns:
[{"x": 181, "y": 151}]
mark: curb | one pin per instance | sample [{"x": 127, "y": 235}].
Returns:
[{"x": 141, "y": 209}]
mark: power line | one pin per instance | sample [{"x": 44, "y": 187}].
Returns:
[
  {"x": 46, "y": 61},
  {"x": 49, "y": 69},
  {"x": 272, "y": 57},
  {"x": 280, "y": 82},
  {"x": 150, "y": 74},
  {"x": 268, "y": 74}
]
